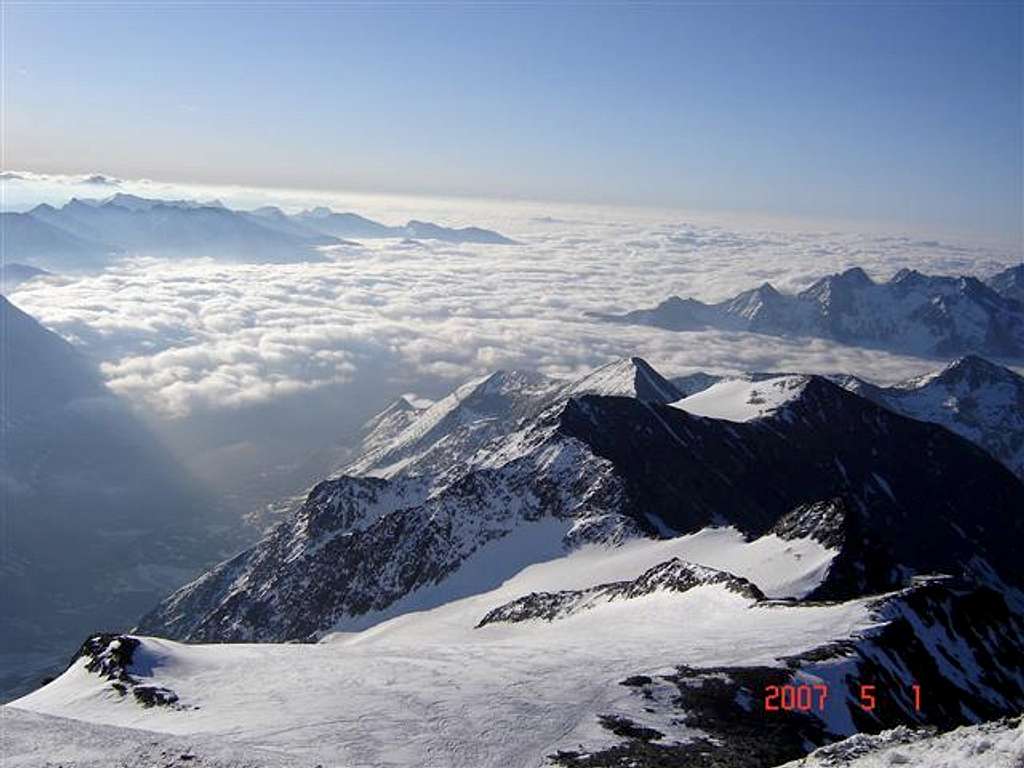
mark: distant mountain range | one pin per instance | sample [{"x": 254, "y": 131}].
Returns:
[
  {"x": 85, "y": 235},
  {"x": 911, "y": 313},
  {"x": 357, "y": 227},
  {"x": 13, "y": 275}
]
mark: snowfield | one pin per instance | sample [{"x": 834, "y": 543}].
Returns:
[
  {"x": 430, "y": 689},
  {"x": 741, "y": 399},
  {"x": 30, "y": 740},
  {"x": 495, "y": 602}
]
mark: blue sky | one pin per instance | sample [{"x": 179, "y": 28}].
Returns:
[{"x": 906, "y": 113}]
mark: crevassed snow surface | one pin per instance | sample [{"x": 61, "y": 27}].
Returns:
[
  {"x": 428, "y": 688},
  {"x": 742, "y": 399}
]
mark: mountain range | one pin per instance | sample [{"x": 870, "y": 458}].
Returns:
[
  {"x": 912, "y": 313},
  {"x": 360, "y": 228},
  {"x": 612, "y": 570},
  {"x": 84, "y": 235},
  {"x": 612, "y": 454}
]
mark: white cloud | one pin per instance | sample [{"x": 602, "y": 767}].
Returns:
[{"x": 185, "y": 337}]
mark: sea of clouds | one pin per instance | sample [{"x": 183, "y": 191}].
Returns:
[
  {"x": 176, "y": 337},
  {"x": 331, "y": 342}
]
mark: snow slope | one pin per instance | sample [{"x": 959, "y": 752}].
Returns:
[
  {"x": 29, "y": 740},
  {"x": 743, "y": 399},
  {"x": 428, "y": 688}
]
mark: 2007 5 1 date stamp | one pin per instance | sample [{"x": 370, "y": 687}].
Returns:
[{"x": 807, "y": 697}]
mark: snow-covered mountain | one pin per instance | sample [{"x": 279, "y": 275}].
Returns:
[
  {"x": 98, "y": 519},
  {"x": 404, "y": 439},
  {"x": 1009, "y": 283},
  {"x": 535, "y": 572},
  {"x": 510, "y": 450},
  {"x": 654, "y": 661},
  {"x": 912, "y": 313},
  {"x": 997, "y": 744},
  {"x": 971, "y": 396}
]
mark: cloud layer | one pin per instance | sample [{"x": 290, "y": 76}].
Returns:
[{"x": 181, "y": 338}]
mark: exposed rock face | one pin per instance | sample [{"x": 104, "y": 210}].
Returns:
[
  {"x": 971, "y": 396},
  {"x": 828, "y": 489},
  {"x": 691, "y": 472},
  {"x": 673, "y": 575},
  {"x": 961, "y": 641},
  {"x": 111, "y": 657},
  {"x": 404, "y": 440},
  {"x": 823, "y": 521}
]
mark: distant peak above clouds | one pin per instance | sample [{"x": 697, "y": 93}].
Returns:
[
  {"x": 86, "y": 233},
  {"x": 353, "y": 225},
  {"x": 914, "y": 313},
  {"x": 13, "y": 275},
  {"x": 136, "y": 203}
]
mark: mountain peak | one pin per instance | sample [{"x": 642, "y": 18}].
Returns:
[
  {"x": 855, "y": 276},
  {"x": 975, "y": 369},
  {"x": 131, "y": 202},
  {"x": 908, "y": 277},
  {"x": 627, "y": 377}
]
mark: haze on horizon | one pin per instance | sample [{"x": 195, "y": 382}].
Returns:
[{"x": 909, "y": 115}]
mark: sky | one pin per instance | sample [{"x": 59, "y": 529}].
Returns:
[{"x": 902, "y": 113}]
